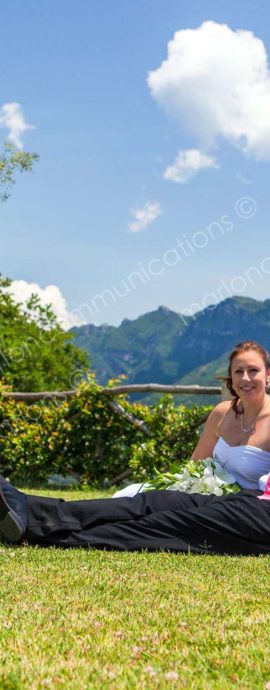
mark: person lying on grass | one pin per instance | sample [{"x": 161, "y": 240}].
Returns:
[{"x": 237, "y": 434}]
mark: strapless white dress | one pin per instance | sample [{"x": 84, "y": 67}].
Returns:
[{"x": 247, "y": 464}]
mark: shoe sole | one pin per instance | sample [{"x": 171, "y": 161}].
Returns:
[{"x": 11, "y": 527}]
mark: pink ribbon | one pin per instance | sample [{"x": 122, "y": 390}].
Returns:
[{"x": 266, "y": 493}]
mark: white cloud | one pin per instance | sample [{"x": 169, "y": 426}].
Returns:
[
  {"x": 216, "y": 83},
  {"x": 144, "y": 216},
  {"x": 22, "y": 291},
  {"x": 187, "y": 164},
  {"x": 11, "y": 117}
]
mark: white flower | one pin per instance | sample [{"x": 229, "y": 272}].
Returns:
[{"x": 206, "y": 477}]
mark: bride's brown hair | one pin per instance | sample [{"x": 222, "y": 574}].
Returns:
[{"x": 244, "y": 346}]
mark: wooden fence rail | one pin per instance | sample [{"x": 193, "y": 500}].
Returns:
[{"x": 117, "y": 390}]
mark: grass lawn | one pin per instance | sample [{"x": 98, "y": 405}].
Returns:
[{"x": 95, "y": 620}]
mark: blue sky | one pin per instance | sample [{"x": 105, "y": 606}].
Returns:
[{"x": 149, "y": 190}]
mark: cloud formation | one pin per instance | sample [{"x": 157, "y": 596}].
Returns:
[
  {"x": 144, "y": 216},
  {"x": 22, "y": 291},
  {"x": 187, "y": 164},
  {"x": 12, "y": 117},
  {"x": 216, "y": 83}
]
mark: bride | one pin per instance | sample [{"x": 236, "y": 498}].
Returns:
[{"x": 236, "y": 434}]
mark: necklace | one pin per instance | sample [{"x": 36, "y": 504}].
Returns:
[{"x": 252, "y": 426}]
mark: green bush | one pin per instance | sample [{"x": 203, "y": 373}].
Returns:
[
  {"x": 84, "y": 437},
  {"x": 175, "y": 432}
]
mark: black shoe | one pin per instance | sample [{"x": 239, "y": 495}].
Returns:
[{"x": 13, "y": 512}]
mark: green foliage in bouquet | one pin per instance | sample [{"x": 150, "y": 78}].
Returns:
[{"x": 84, "y": 437}]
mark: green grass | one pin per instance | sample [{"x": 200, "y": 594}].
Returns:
[{"x": 95, "y": 620}]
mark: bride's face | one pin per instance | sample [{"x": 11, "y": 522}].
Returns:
[{"x": 249, "y": 375}]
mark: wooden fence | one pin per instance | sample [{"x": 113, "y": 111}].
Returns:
[
  {"x": 117, "y": 390},
  {"x": 112, "y": 392}
]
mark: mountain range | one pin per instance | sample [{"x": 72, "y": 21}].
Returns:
[{"x": 165, "y": 347}]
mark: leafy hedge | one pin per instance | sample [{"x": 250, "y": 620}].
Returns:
[{"x": 83, "y": 436}]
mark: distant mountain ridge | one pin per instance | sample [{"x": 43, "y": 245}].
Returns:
[{"x": 165, "y": 347}]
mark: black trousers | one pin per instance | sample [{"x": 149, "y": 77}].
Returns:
[{"x": 155, "y": 521}]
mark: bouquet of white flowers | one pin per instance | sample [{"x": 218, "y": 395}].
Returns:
[
  {"x": 203, "y": 477},
  {"x": 200, "y": 477}
]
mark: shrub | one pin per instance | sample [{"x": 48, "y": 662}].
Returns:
[
  {"x": 83, "y": 436},
  {"x": 175, "y": 432}
]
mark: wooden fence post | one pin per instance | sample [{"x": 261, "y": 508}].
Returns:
[{"x": 225, "y": 393}]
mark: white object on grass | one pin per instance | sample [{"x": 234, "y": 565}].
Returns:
[{"x": 131, "y": 490}]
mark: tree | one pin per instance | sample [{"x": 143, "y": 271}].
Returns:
[
  {"x": 35, "y": 352},
  {"x": 11, "y": 162}
]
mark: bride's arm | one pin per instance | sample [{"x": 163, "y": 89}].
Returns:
[{"x": 209, "y": 437}]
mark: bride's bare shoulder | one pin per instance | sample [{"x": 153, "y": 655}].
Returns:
[{"x": 221, "y": 409}]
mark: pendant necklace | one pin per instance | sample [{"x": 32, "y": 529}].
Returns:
[{"x": 252, "y": 426}]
